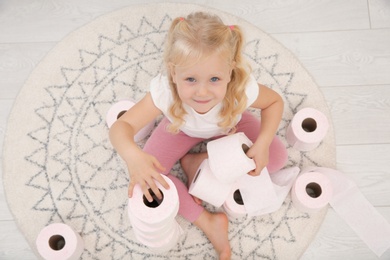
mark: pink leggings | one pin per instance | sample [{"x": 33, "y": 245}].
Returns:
[{"x": 169, "y": 148}]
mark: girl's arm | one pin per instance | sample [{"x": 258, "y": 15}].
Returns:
[
  {"x": 143, "y": 168},
  {"x": 271, "y": 105}
]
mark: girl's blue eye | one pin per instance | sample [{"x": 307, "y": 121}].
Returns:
[
  {"x": 214, "y": 79},
  {"x": 190, "y": 79}
]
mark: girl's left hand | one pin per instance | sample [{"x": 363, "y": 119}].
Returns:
[{"x": 260, "y": 154}]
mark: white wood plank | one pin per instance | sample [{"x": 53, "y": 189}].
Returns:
[
  {"x": 360, "y": 114},
  {"x": 5, "y": 109},
  {"x": 337, "y": 241},
  {"x": 12, "y": 243},
  {"x": 368, "y": 167},
  {"x": 343, "y": 58},
  {"x": 21, "y": 21},
  {"x": 300, "y": 16},
  {"x": 5, "y": 214},
  {"x": 379, "y": 13},
  {"x": 17, "y": 61},
  {"x": 42, "y": 20}
]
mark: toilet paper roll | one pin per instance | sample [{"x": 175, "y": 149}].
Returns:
[
  {"x": 147, "y": 229},
  {"x": 157, "y": 235},
  {"x": 118, "y": 109},
  {"x": 307, "y": 129},
  {"x": 311, "y": 192},
  {"x": 165, "y": 244},
  {"x": 234, "y": 204},
  {"x": 207, "y": 187},
  {"x": 228, "y": 159},
  {"x": 156, "y": 213},
  {"x": 351, "y": 205},
  {"x": 59, "y": 241}
]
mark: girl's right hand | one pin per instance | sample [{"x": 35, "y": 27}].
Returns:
[{"x": 145, "y": 169}]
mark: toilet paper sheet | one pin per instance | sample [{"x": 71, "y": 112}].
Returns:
[
  {"x": 261, "y": 194},
  {"x": 257, "y": 192},
  {"x": 283, "y": 180},
  {"x": 351, "y": 205}
]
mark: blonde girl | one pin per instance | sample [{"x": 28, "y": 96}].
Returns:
[{"x": 203, "y": 95}]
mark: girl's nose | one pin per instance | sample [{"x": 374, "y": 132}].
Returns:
[{"x": 202, "y": 90}]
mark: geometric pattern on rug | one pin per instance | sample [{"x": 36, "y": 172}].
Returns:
[{"x": 78, "y": 178}]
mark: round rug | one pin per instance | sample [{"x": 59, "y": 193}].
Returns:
[{"x": 59, "y": 165}]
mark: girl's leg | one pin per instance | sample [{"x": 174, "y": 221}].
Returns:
[
  {"x": 168, "y": 149},
  {"x": 250, "y": 125}
]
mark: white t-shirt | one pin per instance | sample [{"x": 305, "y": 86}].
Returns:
[{"x": 195, "y": 124}]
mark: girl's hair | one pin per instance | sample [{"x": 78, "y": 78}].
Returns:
[{"x": 194, "y": 37}]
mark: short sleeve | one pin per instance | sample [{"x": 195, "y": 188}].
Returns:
[
  {"x": 161, "y": 93},
  {"x": 252, "y": 90}
]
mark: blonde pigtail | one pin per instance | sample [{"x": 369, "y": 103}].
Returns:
[{"x": 235, "y": 101}]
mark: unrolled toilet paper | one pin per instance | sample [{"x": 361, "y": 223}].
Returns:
[
  {"x": 307, "y": 129},
  {"x": 207, "y": 187},
  {"x": 351, "y": 205},
  {"x": 282, "y": 181},
  {"x": 227, "y": 157},
  {"x": 266, "y": 193},
  {"x": 59, "y": 241},
  {"x": 257, "y": 192},
  {"x": 118, "y": 109},
  {"x": 311, "y": 192},
  {"x": 154, "y": 223}
]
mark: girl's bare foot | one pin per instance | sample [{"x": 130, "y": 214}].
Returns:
[
  {"x": 190, "y": 164},
  {"x": 215, "y": 227}
]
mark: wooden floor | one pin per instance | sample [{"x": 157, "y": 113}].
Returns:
[{"x": 345, "y": 45}]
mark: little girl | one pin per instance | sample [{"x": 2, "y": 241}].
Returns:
[{"x": 203, "y": 95}]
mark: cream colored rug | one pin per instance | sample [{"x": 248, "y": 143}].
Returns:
[{"x": 59, "y": 165}]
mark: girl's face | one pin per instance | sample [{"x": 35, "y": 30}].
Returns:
[{"x": 203, "y": 85}]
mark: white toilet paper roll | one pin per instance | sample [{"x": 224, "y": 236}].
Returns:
[
  {"x": 59, "y": 241},
  {"x": 206, "y": 187},
  {"x": 147, "y": 229},
  {"x": 157, "y": 235},
  {"x": 118, "y": 109},
  {"x": 311, "y": 192},
  {"x": 158, "y": 212},
  {"x": 165, "y": 244},
  {"x": 351, "y": 205},
  {"x": 228, "y": 159},
  {"x": 234, "y": 204},
  {"x": 307, "y": 129}
]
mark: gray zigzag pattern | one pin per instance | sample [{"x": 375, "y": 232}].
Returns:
[{"x": 71, "y": 179}]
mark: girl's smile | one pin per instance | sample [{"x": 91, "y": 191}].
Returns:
[{"x": 204, "y": 84}]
